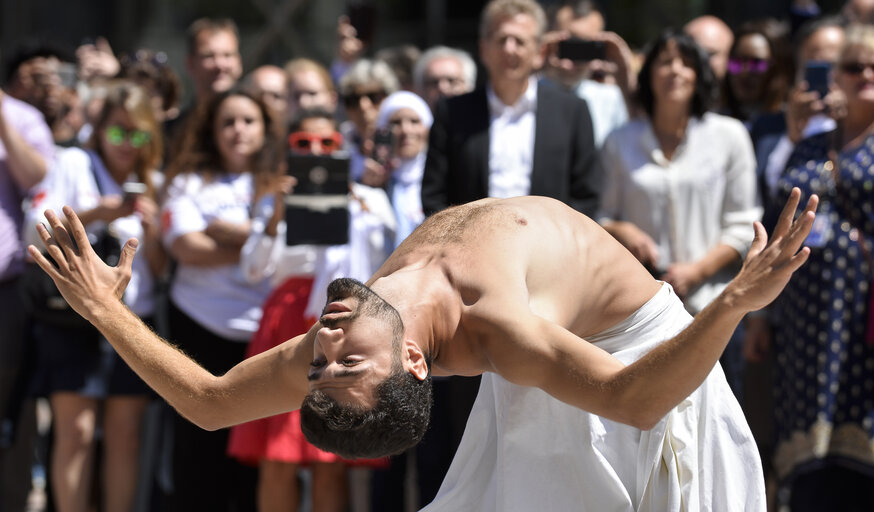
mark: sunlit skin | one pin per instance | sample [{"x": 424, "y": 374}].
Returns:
[
  {"x": 351, "y": 354},
  {"x": 364, "y": 112},
  {"x": 306, "y": 90},
  {"x": 215, "y": 64},
  {"x": 443, "y": 77},
  {"x": 271, "y": 85},
  {"x": 584, "y": 27},
  {"x": 673, "y": 79},
  {"x": 859, "y": 88},
  {"x": 715, "y": 37},
  {"x": 319, "y": 127},
  {"x": 824, "y": 45},
  {"x": 748, "y": 86},
  {"x": 239, "y": 132},
  {"x": 410, "y": 135},
  {"x": 463, "y": 302},
  {"x": 119, "y": 160},
  {"x": 859, "y": 91}
]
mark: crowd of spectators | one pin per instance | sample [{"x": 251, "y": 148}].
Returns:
[{"x": 675, "y": 149}]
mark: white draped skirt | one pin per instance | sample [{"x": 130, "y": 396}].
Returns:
[{"x": 523, "y": 450}]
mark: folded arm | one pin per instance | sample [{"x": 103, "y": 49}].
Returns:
[
  {"x": 529, "y": 350},
  {"x": 270, "y": 383}
]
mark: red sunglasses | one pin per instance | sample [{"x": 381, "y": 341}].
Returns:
[{"x": 304, "y": 141}]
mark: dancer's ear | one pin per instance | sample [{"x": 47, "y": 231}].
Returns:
[{"x": 414, "y": 359}]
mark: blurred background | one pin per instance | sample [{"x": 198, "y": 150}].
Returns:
[{"x": 273, "y": 31}]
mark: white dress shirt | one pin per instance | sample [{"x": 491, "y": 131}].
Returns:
[
  {"x": 511, "y": 143},
  {"x": 606, "y": 105},
  {"x": 704, "y": 196}
]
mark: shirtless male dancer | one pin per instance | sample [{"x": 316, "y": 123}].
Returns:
[{"x": 515, "y": 289}]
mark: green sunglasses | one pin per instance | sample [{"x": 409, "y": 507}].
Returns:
[{"x": 116, "y": 135}]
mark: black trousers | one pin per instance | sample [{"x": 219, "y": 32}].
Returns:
[
  {"x": 834, "y": 488},
  {"x": 204, "y": 477},
  {"x": 17, "y": 416}
]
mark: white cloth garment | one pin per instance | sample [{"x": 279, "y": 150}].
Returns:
[
  {"x": 524, "y": 451},
  {"x": 511, "y": 143},
  {"x": 606, "y": 105}
]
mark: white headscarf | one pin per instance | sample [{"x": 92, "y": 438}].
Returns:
[{"x": 403, "y": 99}]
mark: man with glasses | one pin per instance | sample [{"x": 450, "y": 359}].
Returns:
[{"x": 443, "y": 72}]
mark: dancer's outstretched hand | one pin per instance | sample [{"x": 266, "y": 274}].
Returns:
[
  {"x": 770, "y": 264},
  {"x": 85, "y": 281}
]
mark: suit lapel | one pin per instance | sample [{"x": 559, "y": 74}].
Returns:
[
  {"x": 480, "y": 141},
  {"x": 542, "y": 117}
]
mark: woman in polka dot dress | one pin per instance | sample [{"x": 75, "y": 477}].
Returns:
[{"x": 824, "y": 373}]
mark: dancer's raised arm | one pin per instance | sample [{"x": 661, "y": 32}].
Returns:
[
  {"x": 270, "y": 383},
  {"x": 531, "y": 351}
]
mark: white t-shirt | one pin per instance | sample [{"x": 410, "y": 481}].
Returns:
[
  {"x": 70, "y": 181},
  {"x": 218, "y": 297}
]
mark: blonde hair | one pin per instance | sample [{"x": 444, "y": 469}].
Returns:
[
  {"x": 136, "y": 103},
  {"x": 858, "y": 35},
  {"x": 502, "y": 9},
  {"x": 301, "y": 65}
]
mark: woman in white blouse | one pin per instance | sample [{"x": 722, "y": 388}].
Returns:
[
  {"x": 110, "y": 186},
  {"x": 409, "y": 119},
  {"x": 680, "y": 191}
]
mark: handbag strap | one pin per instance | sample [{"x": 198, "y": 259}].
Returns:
[{"x": 92, "y": 165}]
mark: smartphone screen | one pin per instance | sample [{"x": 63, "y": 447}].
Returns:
[
  {"x": 581, "y": 49},
  {"x": 817, "y": 74},
  {"x": 132, "y": 190},
  {"x": 382, "y": 146}
]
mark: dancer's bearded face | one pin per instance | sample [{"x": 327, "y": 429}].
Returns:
[{"x": 354, "y": 349}]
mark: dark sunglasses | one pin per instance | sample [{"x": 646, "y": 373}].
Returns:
[
  {"x": 116, "y": 135},
  {"x": 738, "y": 65},
  {"x": 855, "y": 68},
  {"x": 354, "y": 100},
  {"x": 304, "y": 141}
]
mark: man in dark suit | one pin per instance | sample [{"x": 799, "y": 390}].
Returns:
[{"x": 514, "y": 136}]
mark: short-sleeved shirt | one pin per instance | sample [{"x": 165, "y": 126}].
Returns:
[
  {"x": 218, "y": 297},
  {"x": 31, "y": 126},
  {"x": 71, "y": 181}
]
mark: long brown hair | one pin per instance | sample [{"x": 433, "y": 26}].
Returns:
[
  {"x": 135, "y": 101},
  {"x": 199, "y": 152}
]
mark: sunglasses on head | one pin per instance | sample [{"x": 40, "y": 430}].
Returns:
[
  {"x": 304, "y": 141},
  {"x": 354, "y": 100},
  {"x": 116, "y": 135},
  {"x": 856, "y": 68},
  {"x": 737, "y": 65}
]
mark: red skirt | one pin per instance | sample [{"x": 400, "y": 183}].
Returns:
[{"x": 279, "y": 438}]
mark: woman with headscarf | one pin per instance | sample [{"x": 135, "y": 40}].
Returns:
[{"x": 409, "y": 119}]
